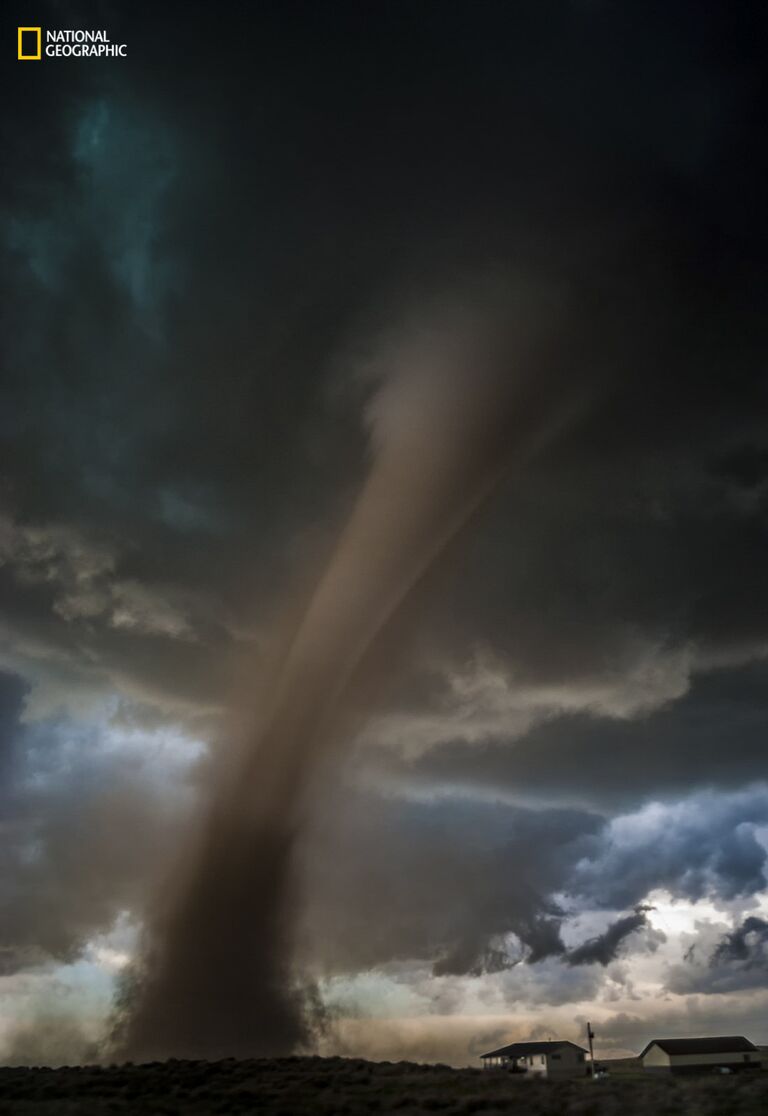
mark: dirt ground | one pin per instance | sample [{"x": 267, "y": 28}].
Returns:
[{"x": 337, "y": 1086}]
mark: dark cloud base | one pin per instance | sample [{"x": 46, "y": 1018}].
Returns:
[{"x": 714, "y": 736}]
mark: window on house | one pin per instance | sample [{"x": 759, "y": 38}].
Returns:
[
  {"x": 543, "y": 1060},
  {"x": 745, "y": 1057},
  {"x": 555, "y": 1057}
]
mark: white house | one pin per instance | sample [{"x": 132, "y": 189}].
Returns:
[
  {"x": 540, "y": 1059},
  {"x": 732, "y": 1053}
]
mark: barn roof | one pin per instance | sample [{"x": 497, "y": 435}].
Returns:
[
  {"x": 522, "y": 1049},
  {"x": 714, "y": 1044}
]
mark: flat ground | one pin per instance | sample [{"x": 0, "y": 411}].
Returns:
[{"x": 337, "y": 1086}]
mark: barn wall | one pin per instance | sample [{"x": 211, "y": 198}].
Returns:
[
  {"x": 736, "y": 1061},
  {"x": 715, "y": 1059},
  {"x": 656, "y": 1058}
]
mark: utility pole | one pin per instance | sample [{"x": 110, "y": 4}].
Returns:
[{"x": 590, "y": 1036}]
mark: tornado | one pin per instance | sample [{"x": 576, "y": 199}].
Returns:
[{"x": 458, "y": 400}]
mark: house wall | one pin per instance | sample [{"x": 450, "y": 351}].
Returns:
[
  {"x": 569, "y": 1064},
  {"x": 536, "y": 1064}
]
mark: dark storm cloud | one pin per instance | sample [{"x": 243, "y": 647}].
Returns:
[
  {"x": 178, "y": 293},
  {"x": 464, "y": 886},
  {"x": 445, "y": 881},
  {"x": 719, "y": 963},
  {"x": 714, "y": 735},
  {"x": 604, "y": 948},
  {"x": 702, "y": 845},
  {"x": 746, "y": 945},
  {"x": 12, "y": 691},
  {"x": 440, "y": 881}
]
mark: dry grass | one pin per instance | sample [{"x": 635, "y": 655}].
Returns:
[{"x": 339, "y": 1086}]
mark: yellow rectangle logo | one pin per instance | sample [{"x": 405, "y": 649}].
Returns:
[{"x": 37, "y": 32}]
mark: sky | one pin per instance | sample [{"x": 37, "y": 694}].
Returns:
[{"x": 555, "y": 806}]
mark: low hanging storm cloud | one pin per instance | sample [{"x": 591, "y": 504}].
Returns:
[{"x": 547, "y": 794}]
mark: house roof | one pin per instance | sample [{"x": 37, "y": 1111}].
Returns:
[
  {"x": 714, "y": 1044},
  {"x": 522, "y": 1049}
]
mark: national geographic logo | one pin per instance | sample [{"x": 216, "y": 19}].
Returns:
[{"x": 33, "y": 44}]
